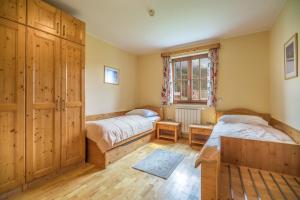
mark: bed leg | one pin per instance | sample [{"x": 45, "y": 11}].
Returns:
[{"x": 95, "y": 156}]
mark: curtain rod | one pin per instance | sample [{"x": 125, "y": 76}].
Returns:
[{"x": 198, "y": 48}]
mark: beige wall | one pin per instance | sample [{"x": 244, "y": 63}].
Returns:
[
  {"x": 243, "y": 79},
  {"x": 150, "y": 76},
  {"x": 243, "y": 76},
  {"x": 284, "y": 94},
  {"x": 103, "y": 98}
]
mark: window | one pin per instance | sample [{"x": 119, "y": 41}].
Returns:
[{"x": 190, "y": 79}]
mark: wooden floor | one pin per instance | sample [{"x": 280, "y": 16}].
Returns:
[
  {"x": 247, "y": 183},
  {"x": 120, "y": 181}
]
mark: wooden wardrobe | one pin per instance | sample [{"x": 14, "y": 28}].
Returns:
[{"x": 41, "y": 91}]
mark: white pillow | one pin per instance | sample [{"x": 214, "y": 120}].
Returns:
[
  {"x": 246, "y": 119},
  {"x": 142, "y": 112}
]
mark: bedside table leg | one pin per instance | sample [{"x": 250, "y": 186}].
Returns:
[
  {"x": 180, "y": 133},
  {"x": 190, "y": 138},
  {"x": 176, "y": 135},
  {"x": 157, "y": 133}
]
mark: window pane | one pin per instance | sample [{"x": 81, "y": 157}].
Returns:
[
  {"x": 177, "y": 90},
  {"x": 184, "y": 94},
  {"x": 190, "y": 79},
  {"x": 177, "y": 71},
  {"x": 203, "y": 73},
  {"x": 203, "y": 84},
  {"x": 184, "y": 69},
  {"x": 195, "y": 90},
  {"x": 204, "y": 62},
  {"x": 203, "y": 95},
  {"x": 196, "y": 68},
  {"x": 204, "y": 65}
]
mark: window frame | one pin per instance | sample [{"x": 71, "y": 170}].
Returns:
[{"x": 190, "y": 79}]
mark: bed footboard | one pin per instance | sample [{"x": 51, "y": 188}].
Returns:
[{"x": 272, "y": 156}]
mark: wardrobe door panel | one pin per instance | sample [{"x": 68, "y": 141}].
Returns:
[
  {"x": 12, "y": 104},
  {"x": 43, "y": 16},
  {"x": 72, "y": 28},
  {"x": 14, "y": 10},
  {"x": 43, "y": 94},
  {"x": 72, "y": 103}
]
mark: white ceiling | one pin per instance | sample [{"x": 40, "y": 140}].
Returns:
[{"x": 127, "y": 25}]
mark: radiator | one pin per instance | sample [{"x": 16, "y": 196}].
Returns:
[{"x": 187, "y": 116}]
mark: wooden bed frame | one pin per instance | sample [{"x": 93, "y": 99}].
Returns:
[
  {"x": 119, "y": 150},
  {"x": 242, "y": 111},
  {"x": 290, "y": 131},
  {"x": 262, "y": 155}
]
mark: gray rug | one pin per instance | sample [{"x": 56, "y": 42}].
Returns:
[{"x": 160, "y": 163}]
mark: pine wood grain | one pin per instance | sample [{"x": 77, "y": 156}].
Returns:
[
  {"x": 242, "y": 111},
  {"x": 250, "y": 183},
  {"x": 72, "y": 28},
  {"x": 43, "y": 16},
  {"x": 45, "y": 152},
  {"x": 43, "y": 131},
  {"x": 266, "y": 155},
  {"x": 72, "y": 104},
  {"x": 119, "y": 150},
  {"x": 14, "y": 10},
  {"x": 12, "y": 104}
]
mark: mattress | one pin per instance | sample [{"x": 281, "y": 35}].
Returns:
[
  {"x": 108, "y": 132},
  {"x": 246, "y": 131}
]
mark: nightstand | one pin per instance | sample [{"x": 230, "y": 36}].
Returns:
[
  {"x": 173, "y": 129},
  {"x": 199, "y": 133}
]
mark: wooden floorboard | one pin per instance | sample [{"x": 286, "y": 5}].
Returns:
[{"x": 121, "y": 181}]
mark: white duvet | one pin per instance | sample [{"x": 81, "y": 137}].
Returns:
[
  {"x": 247, "y": 131},
  {"x": 107, "y": 132}
]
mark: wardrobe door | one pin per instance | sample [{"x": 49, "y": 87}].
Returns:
[
  {"x": 42, "y": 104},
  {"x": 14, "y": 10},
  {"x": 72, "y": 103},
  {"x": 43, "y": 16},
  {"x": 72, "y": 28},
  {"x": 12, "y": 104}
]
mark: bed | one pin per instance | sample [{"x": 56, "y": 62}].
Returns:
[
  {"x": 111, "y": 136},
  {"x": 246, "y": 130},
  {"x": 237, "y": 148}
]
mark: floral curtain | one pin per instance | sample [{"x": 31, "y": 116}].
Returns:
[
  {"x": 166, "y": 91},
  {"x": 213, "y": 56}
]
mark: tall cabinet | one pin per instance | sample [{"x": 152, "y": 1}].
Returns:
[{"x": 45, "y": 77}]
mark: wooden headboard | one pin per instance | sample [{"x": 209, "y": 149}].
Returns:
[
  {"x": 292, "y": 132},
  {"x": 243, "y": 111},
  {"x": 159, "y": 110}
]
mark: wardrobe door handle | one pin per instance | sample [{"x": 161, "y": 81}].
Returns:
[
  {"x": 57, "y": 27},
  {"x": 64, "y": 30},
  {"x": 63, "y": 105},
  {"x": 57, "y": 105}
]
